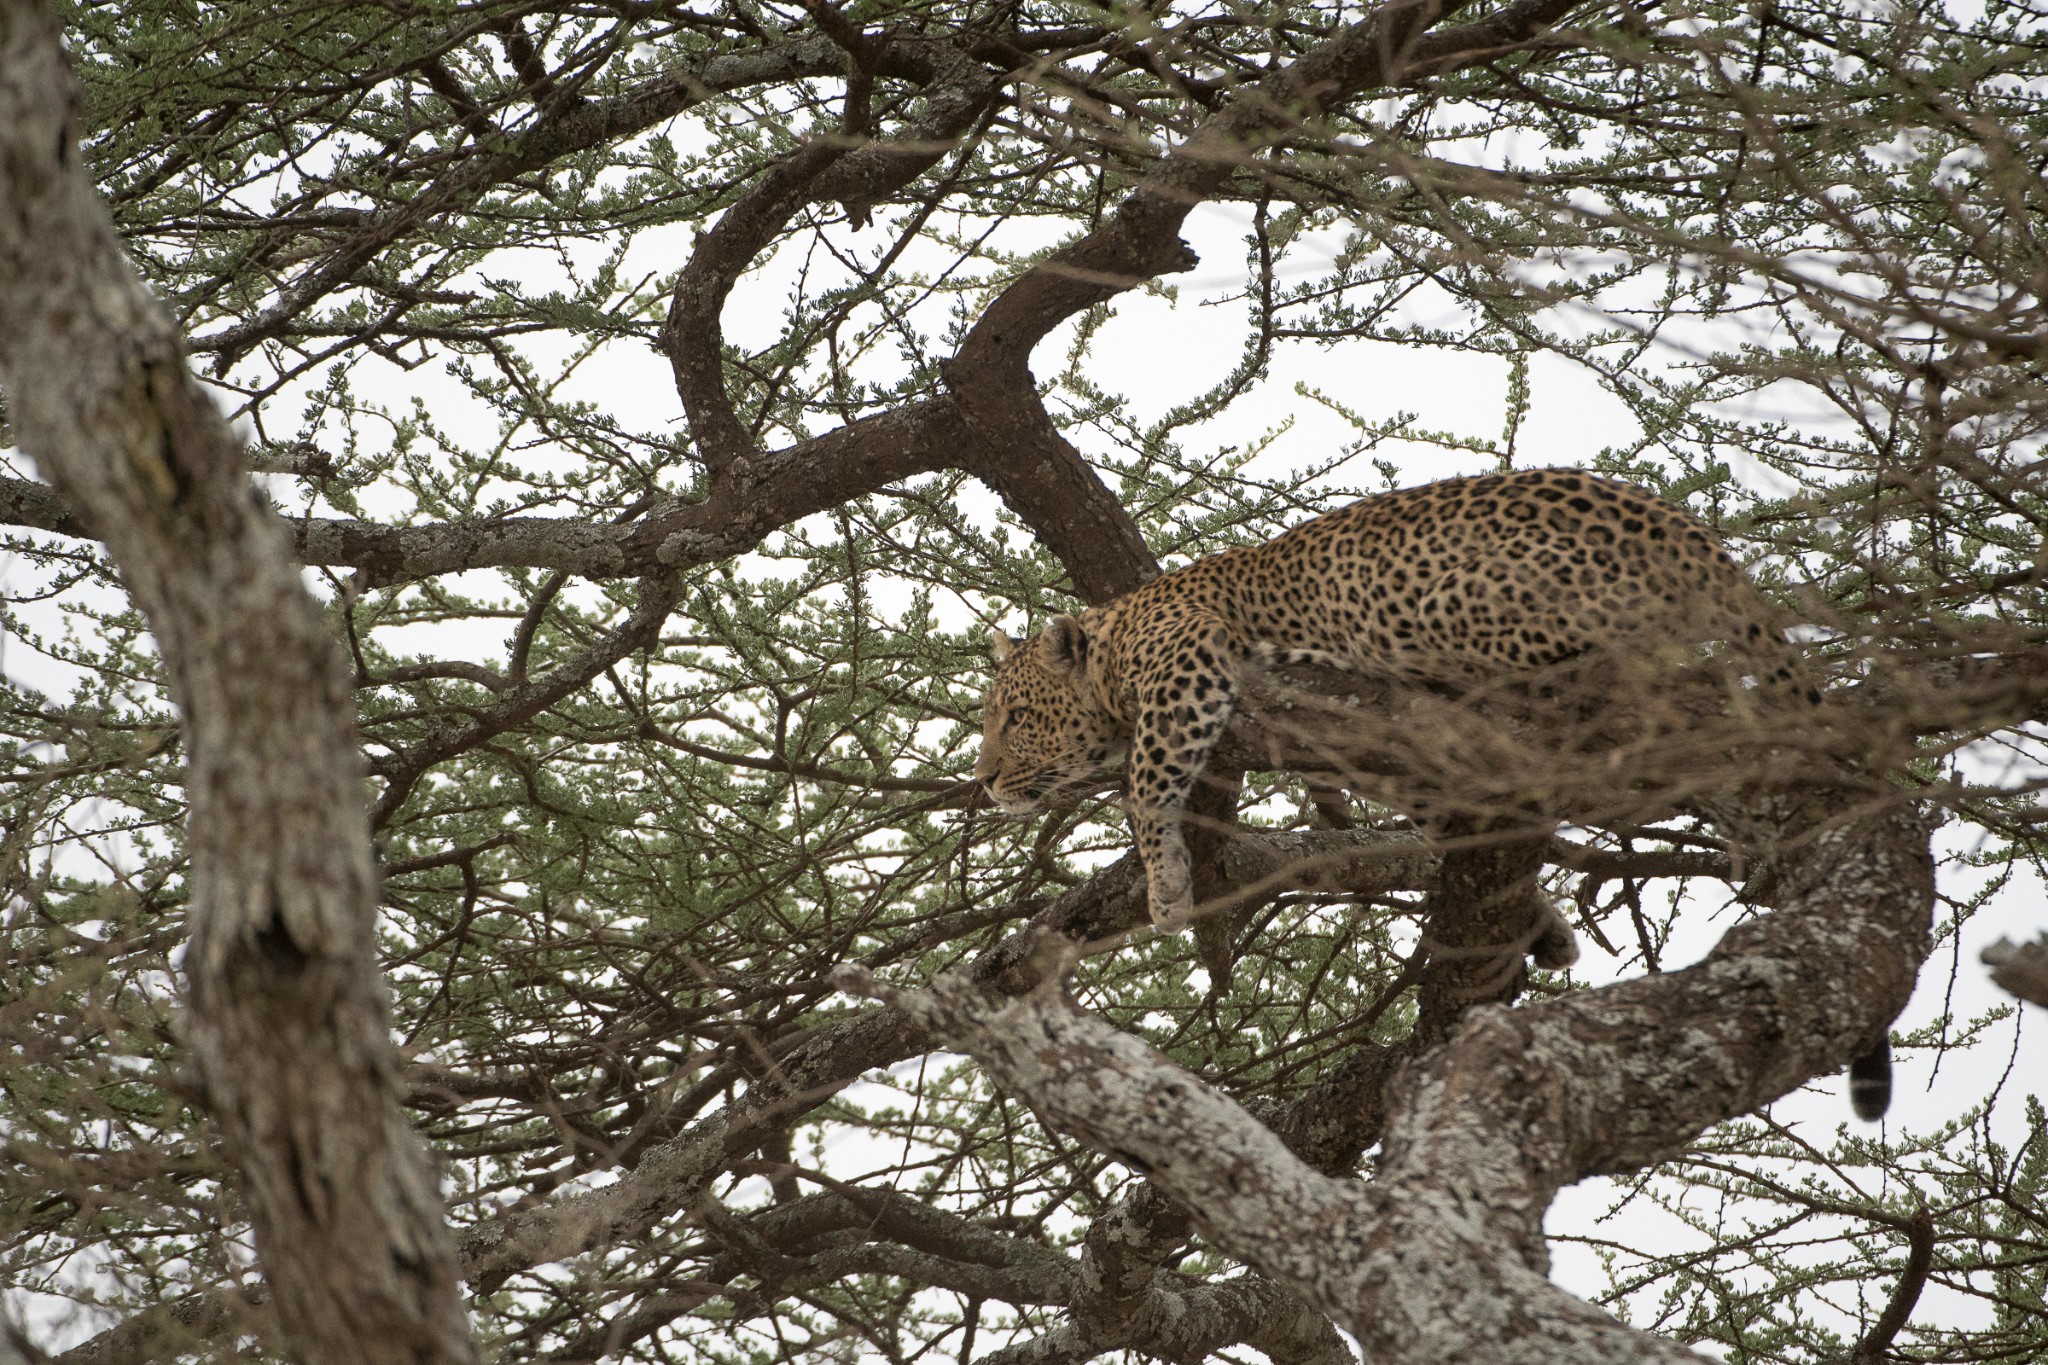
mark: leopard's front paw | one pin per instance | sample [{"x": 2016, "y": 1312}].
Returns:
[
  {"x": 1172, "y": 917},
  {"x": 1171, "y": 897}
]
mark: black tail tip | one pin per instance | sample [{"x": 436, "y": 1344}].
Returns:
[{"x": 1870, "y": 1083}]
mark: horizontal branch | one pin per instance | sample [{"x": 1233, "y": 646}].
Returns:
[
  {"x": 858, "y": 459},
  {"x": 38, "y": 506},
  {"x": 167, "y": 1329},
  {"x": 1185, "y": 1319}
]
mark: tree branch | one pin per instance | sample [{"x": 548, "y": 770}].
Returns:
[
  {"x": 1020, "y": 452},
  {"x": 1476, "y": 923},
  {"x": 167, "y": 1329},
  {"x": 859, "y": 458},
  {"x": 1876, "y": 1343},
  {"x": 1442, "y": 1257},
  {"x": 37, "y": 505},
  {"x": 286, "y": 1024},
  {"x": 638, "y": 631},
  {"x": 1185, "y": 1319},
  {"x": 693, "y": 335}
]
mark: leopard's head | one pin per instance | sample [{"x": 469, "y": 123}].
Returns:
[{"x": 1044, "y": 728}]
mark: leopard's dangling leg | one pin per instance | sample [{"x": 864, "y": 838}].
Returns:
[
  {"x": 1487, "y": 912},
  {"x": 1556, "y": 946},
  {"x": 1183, "y": 704},
  {"x": 1169, "y": 881}
]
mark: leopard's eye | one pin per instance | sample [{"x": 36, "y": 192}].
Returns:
[{"x": 1015, "y": 716}]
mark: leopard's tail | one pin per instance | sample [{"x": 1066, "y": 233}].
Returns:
[{"x": 1870, "y": 1082}]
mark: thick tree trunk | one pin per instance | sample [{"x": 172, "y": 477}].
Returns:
[{"x": 287, "y": 1023}]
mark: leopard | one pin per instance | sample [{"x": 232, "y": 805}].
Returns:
[{"x": 1445, "y": 584}]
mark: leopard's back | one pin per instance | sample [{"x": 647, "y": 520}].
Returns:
[{"x": 1475, "y": 577}]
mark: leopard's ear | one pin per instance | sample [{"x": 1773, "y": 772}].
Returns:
[
  {"x": 1001, "y": 646},
  {"x": 1066, "y": 645}
]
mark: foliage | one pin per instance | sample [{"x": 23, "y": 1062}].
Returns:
[{"x": 426, "y": 252}]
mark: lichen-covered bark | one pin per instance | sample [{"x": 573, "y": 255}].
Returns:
[
  {"x": 1442, "y": 1256},
  {"x": 286, "y": 1028}
]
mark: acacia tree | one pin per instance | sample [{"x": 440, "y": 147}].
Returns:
[{"x": 663, "y": 561}]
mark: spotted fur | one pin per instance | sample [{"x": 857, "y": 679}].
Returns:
[{"x": 1449, "y": 583}]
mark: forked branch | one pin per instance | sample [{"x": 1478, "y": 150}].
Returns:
[{"x": 1442, "y": 1256}]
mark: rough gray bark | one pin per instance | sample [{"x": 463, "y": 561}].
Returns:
[
  {"x": 1180, "y": 1319},
  {"x": 286, "y": 1027},
  {"x": 1442, "y": 1256}
]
